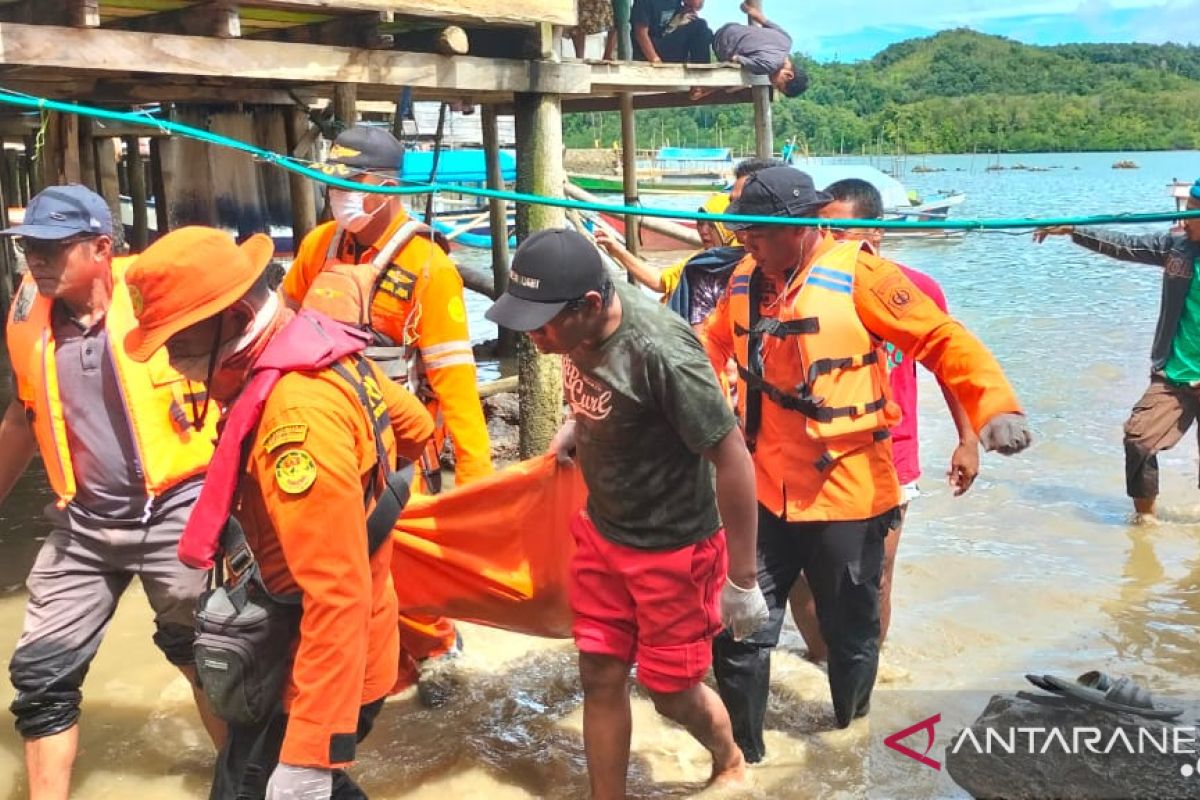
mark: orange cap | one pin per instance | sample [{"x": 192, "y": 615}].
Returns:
[{"x": 187, "y": 276}]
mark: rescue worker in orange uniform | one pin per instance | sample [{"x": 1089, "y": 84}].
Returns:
[
  {"x": 124, "y": 445},
  {"x": 805, "y": 319},
  {"x": 376, "y": 267},
  {"x": 312, "y": 457}
]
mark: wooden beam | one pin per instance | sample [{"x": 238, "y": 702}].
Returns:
[
  {"x": 350, "y": 30},
  {"x": 217, "y": 18},
  {"x": 86, "y": 13},
  {"x": 578, "y": 104},
  {"x": 489, "y": 12},
  {"x": 57, "y": 48},
  {"x": 63, "y": 85},
  {"x": 607, "y": 77},
  {"x": 452, "y": 41}
]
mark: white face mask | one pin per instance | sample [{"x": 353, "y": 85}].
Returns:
[{"x": 347, "y": 209}]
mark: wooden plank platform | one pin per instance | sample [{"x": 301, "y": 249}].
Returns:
[
  {"x": 251, "y": 17},
  {"x": 119, "y": 66}
]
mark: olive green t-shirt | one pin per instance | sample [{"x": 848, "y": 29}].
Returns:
[{"x": 646, "y": 405}]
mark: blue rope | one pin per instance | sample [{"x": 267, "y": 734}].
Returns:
[{"x": 305, "y": 168}]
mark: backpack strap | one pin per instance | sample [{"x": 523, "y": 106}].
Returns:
[{"x": 390, "y": 487}]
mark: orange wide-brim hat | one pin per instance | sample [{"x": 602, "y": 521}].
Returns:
[{"x": 187, "y": 276}]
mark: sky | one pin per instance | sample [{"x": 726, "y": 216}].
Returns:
[{"x": 851, "y": 30}]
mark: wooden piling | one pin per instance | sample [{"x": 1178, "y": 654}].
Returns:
[
  {"x": 88, "y": 175},
  {"x": 135, "y": 176},
  {"x": 300, "y": 188},
  {"x": 235, "y": 185},
  {"x": 158, "y": 183},
  {"x": 498, "y": 215},
  {"x": 539, "y": 172},
  {"x": 345, "y": 104},
  {"x": 621, "y": 12},
  {"x": 764, "y": 134},
  {"x": 104, "y": 157},
  {"x": 270, "y": 133},
  {"x": 629, "y": 173},
  {"x": 187, "y": 182}
]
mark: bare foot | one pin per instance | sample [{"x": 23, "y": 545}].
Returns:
[
  {"x": 1148, "y": 519},
  {"x": 731, "y": 774},
  {"x": 699, "y": 93}
]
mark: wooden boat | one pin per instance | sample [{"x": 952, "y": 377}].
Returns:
[
  {"x": 898, "y": 202},
  {"x": 605, "y": 184},
  {"x": 652, "y": 240}
]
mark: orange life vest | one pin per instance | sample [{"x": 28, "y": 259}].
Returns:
[
  {"x": 158, "y": 398},
  {"x": 816, "y": 360}
]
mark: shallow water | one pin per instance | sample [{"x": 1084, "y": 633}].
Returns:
[{"x": 1036, "y": 569}]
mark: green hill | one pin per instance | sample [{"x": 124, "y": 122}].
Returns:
[{"x": 959, "y": 91}]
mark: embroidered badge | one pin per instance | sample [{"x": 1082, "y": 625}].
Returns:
[
  {"x": 398, "y": 282},
  {"x": 295, "y": 471},
  {"x": 456, "y": 310},
  {"x": 285, "y": 434},
  {"x": 24, "y": 302},
  {"x": 136, "y": 300},
  {"x": 896, "y": 293}
]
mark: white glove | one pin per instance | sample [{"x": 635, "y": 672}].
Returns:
[
  {"x": 743, "y": 611},
  {"x": 563, "y": 443},
  {"x": 300, "y": 783},
  {"x": 1007, "y": 434}
]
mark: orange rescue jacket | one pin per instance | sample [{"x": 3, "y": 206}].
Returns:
[
  {"x": 301, "y": 505},
  {"x": 418, "y": 304},
  {"x": 158, "y": 399},
  {"x": 821, "y": 345}
]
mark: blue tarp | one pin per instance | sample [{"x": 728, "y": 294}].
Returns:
[{"x": 455, "y": 166}]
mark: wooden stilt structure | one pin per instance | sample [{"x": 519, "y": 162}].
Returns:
[{"x": 251, "y": 69}]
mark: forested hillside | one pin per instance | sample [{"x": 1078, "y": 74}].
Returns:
[{"x": 956, "y": 92}]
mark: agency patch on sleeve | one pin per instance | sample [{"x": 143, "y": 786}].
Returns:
[
  {"x": 896, "y": 293},
  {"x": 294, "y": 433},
  {"x": 295, "y": 471},
  {"x": 457, "y": 310}
]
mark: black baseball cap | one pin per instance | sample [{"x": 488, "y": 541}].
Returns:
[
  {"x": 57, "y": 212},
  {"x": 549, "y": 269},
  {"x": 777, "y": 192},
  {"x": 365, "y": 147}
]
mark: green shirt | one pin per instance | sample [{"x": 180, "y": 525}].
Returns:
[
  {"x": 1184, "y": 364},
  {"x": 646, "y": 405}
]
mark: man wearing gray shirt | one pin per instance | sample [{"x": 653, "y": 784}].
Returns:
[
  {"x": 765, "y": 50},
  {"x": 124, "y": 445}
]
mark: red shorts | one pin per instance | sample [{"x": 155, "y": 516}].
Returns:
[{"x": 659, "y": 609}]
